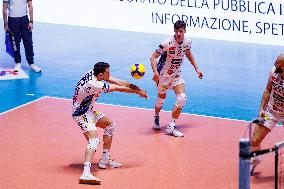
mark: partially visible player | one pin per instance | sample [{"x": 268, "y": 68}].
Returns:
[
  {"x": 167, "y": 74},
  {"x": 87, "y": 91},
  {"x": 271, "y": 109}
]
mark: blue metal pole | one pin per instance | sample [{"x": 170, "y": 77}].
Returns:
[{"x": 244, "y": 164}]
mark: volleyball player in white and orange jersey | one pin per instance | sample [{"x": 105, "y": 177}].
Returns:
[
  {"x": 167, "y": 73},
  {"x": 271, "y": 110}
]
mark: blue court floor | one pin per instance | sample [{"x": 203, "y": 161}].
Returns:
[{"x": 235, "y": 74}]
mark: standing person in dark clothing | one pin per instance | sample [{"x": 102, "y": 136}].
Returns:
[{"x": 16, "y": 19}]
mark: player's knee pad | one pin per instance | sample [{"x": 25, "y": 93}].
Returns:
[
  {"x": 159, "y": 102},
  {"x": 181, "y": 100},
  {"x": 109, "y": 130},
  {"x": 93, "y": 144}
]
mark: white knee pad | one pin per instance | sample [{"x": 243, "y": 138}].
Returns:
[
  {"x": 181, "y": 100},
  {"x": 109, "y": 130},
  {"x": 93, "y": 143},
  {"x": 159, "y": 102}
]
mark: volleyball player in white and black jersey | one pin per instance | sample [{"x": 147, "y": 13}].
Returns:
[
  {"x": 86, "y": 93},
  {"x": 167, "y": 73},
  {"x": 271, "y": 107}
]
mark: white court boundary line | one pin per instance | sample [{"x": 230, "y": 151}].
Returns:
[
  {"x": 18, "y": 107},
  {"x": 148, "y": 109}
]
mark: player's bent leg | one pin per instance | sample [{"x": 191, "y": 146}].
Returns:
[
  {"x": 259, "y": 134},
  {"x": 109, "y": 127},
  {"x": 92, "y": 146},
  {"x": 180, "y": 102},
  {"x": 158, "y": 106}
]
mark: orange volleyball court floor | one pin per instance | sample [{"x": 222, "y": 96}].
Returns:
[{"x": 42, "y": 148}]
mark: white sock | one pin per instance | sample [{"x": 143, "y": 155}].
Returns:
[
  {"x": 87, "y": 167},
  {"x": 172, "y": 122},
  {"x": 105, "y": 154}
]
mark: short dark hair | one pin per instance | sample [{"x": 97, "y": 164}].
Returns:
[
  {"x": 100, "y": 67},
  {"x": 179, "y": 24}
]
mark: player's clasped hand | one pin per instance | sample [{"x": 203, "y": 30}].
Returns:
[
  {"x": 143, "y": 94},
  {"x": 200, "y": 75}
]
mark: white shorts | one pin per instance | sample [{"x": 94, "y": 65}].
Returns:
[
  {"x": 271, "y": 118},
  {"x": 87, "y": 121},
  {"x": 166, "y": 83}
]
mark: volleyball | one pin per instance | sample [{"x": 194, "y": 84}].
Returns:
[{"x": 137, "y": 71}]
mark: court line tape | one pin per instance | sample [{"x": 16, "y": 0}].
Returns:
[
  {"x": 18, "y": 107},
  {"x": 150, "y": 109}
]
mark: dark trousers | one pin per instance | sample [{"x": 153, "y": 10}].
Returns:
[{"x": 19, "y": 26}]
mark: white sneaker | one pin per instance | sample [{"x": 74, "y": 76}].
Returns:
[
  {"x": 254, "y": 162},
  {"x": 174, "y": 131},
  {"x": 88, "y": 178},
  {"x": 17, "y": 67},
  {"x": 109, "y": 163},
  {"x": 156, "y": 123},
  {"x": 35, "y": 68}
]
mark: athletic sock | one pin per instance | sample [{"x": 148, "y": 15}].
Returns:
[
  {"x": 105, "y": 154},
  {"x": 172, "y": 122},
  {"x": 87, "y": 167}
]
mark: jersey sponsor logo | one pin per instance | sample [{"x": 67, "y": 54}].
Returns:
[
  {"x": 176, "y": 61},
  {"x": 172, "y": 50}
]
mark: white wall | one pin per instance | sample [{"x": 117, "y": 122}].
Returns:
[{"x": 260, "y": 21}]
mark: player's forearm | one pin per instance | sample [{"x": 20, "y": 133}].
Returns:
[
  {"x": 154, "y": 65},
  {"x": 265, "y": 99},
  {"x": 191, "y": 59},
  {"x": 126, "y": 89},
  {"x": 122, "y": 82},
  {"x": 127, "y": 84}
]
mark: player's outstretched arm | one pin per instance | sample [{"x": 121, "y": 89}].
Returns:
[
  {"x": 114, "y": 87},
  {"x": 191, "y": 59},
  {"x": 121, "y": 82}
]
